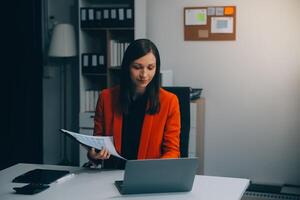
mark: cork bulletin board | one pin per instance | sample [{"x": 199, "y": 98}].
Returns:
[{"x": 210, "y": 23}]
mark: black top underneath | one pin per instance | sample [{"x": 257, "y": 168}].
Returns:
[
  {"x": 132, "y": 128},
  {"x": 131, "y": 133}
]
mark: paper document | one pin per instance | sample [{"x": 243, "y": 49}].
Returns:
[{"x": 98, "y": 142}]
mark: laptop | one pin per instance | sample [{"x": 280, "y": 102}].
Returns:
[{"x": 158, "y": 175}]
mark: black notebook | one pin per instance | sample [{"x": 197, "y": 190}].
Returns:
[{"x": 44, "y": 176}]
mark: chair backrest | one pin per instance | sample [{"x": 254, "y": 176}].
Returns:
[{"x": 183, "y": 94}]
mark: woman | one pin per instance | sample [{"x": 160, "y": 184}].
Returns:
[{"x": 143, "y": 118}]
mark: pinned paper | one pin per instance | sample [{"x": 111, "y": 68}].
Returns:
[
  {"x": 195, "y": 17},
  {"x": 219, "y": 11},
  {"x": 222, "y": 25},
  {"x": 211, "y": 11},
  {"x": 228, "y": 10},
  {"x": 203, "y": 33}
]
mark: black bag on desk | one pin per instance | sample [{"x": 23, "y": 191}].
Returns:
[{"x": 43, "y": 176}]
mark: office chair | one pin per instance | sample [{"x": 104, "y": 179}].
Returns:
[{"x": 183, "y": 94}]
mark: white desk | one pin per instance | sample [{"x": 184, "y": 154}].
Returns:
[{"x": 96, "y": 184}]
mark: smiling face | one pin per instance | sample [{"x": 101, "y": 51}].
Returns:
[{"x": 142, "y": 71}]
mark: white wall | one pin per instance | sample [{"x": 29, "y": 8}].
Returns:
[
  {"x": 140, "y": 18},
  {"x": 251, "y": 85}
]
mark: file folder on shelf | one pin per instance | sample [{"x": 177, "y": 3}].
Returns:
[
  {"x": 98, "y": 17},
  {"x": 106, "y": 17},
  {"x": 129, "y": 17},
  {"x": 83, "y": 17},
  {"x": 93, "y": 63}
]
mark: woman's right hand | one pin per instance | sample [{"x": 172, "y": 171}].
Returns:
[{"x": 94, "y": 155}]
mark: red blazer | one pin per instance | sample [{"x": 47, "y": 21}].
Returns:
[{"x": 160, "y": 132}]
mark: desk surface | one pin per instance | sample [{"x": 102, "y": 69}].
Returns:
[{"x": 96, "y": 184}]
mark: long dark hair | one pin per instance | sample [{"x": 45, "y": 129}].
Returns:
[{"x": 135, "y": 50}]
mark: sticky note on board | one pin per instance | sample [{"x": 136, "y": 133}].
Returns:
[
  {"x": 219, "y": 11},
  {"x": 211, "y": 11},
  {"x": 228, "y": 10},
  {"x": 201, "y": 17},
  {"x": 203, "y": 33}
]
